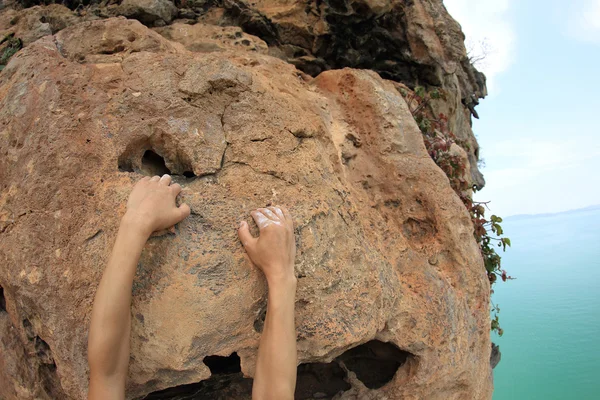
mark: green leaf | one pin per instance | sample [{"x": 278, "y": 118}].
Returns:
[{"x": 420, "y": 91}]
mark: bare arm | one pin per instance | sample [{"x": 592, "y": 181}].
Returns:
[
  {"x": 274, "y": 252},
  {"x": 151, "y": 207}
]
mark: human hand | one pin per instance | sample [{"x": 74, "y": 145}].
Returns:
[
  {"x": 151, "y": 205},
  {"x": 275, "y": 248}
]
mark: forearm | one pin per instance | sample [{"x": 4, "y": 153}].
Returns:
[
  {"x": 275, "y": 376},
  {"x": 108, "y": 341}
]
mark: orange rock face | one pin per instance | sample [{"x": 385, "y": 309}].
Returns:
[{"x": 392, "y": 298}]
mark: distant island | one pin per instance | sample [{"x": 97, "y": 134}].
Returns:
[{"x": 578, "y": 210}]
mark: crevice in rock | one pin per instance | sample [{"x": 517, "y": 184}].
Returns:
[
  {"x": 2, "y": 300},
  {"x": 261, "y": 139},
  {"x": 94, "y": 235},
  {"x": 259, "y": 322},
  {"x": 113, "y": 50},
  {"x": 47, "y": 369},
  {"x": 50, "y": 381},
  {"x": 223, "y": 156},
  {"x": 42, "y": 350},
  {"x": 59, "y": 47},
  {"x": 28, "y": 328},
  {"x": 39, "y": 350},
  {"x": 274, "y": 174},
  {"x": 375, "y": 363}
]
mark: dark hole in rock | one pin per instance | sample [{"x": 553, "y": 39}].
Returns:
[
  {"x": 217, "y": 387},
  {"x": 338, "y": 5},
  {"x": 375, "y": 363},
  {"x": 153, "y": 164},
  {"x": 2, "y": 300},
  {"x": 113, "y": 50},
  {"x": 223, "y": 365},
  {"x": 226, "y": 382},
  {"x": 320, "y": 381}
]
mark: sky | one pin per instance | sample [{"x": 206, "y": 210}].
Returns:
[{"x": 539, "y": 127}]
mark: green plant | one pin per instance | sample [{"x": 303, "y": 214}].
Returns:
[
  {"x": 438, "y": 140},
  {"x": 9, "y": 45}
]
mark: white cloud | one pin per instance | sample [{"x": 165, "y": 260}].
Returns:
[
  {"x": 486, "y": 22},
  {"x": 542, "y": 175},
  {"x": 544, "y": 154},
  {"x": 584, "y": 21}
]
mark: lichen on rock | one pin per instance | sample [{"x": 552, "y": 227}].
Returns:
[{"x": 392, "y": 295}]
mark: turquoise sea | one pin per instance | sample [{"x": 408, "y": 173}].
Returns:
[{"x": 551, "y": 313}]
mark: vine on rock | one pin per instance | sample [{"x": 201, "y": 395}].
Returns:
[{"x": 438, "y": 140}]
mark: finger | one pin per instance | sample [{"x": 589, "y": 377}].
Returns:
[
  {"x": 165, "y": 180},
  {"x": 182, "y": 212},
  {"x": 270, "y": 214},
  {"x": 288, "y": 218},
  {"x": 278, "y": 211},
  {"x": 261, "y": 220},
  {"x": 143, "y": 181},
  {"x": 155, "y": 178},
  {"x": 286, "y": 213},
  {"x": 175, "y": 188},
  {"x": 245, "y": 236}
]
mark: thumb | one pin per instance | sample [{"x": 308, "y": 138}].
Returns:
[
  {"x": 182, "y": 212},
  {"x": 245, "y": 236}
]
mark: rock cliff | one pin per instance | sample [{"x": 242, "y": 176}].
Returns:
[{"x": 283, "y": 102}]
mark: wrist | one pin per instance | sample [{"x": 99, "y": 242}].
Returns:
[
  {"x": 133, "y": 225},
  {"x": 286, "y": 281}
]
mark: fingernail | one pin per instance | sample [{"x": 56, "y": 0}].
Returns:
[{"x": 241, "y": 224}]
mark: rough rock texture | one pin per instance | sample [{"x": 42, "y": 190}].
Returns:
[
  {"x": 207, "y": 38},
  {"x": 414, "y": 42},
  {"x": 386, "y": 255},
  {"x": 33, "y": 23},
  {"x": 149, "y": 12}
]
